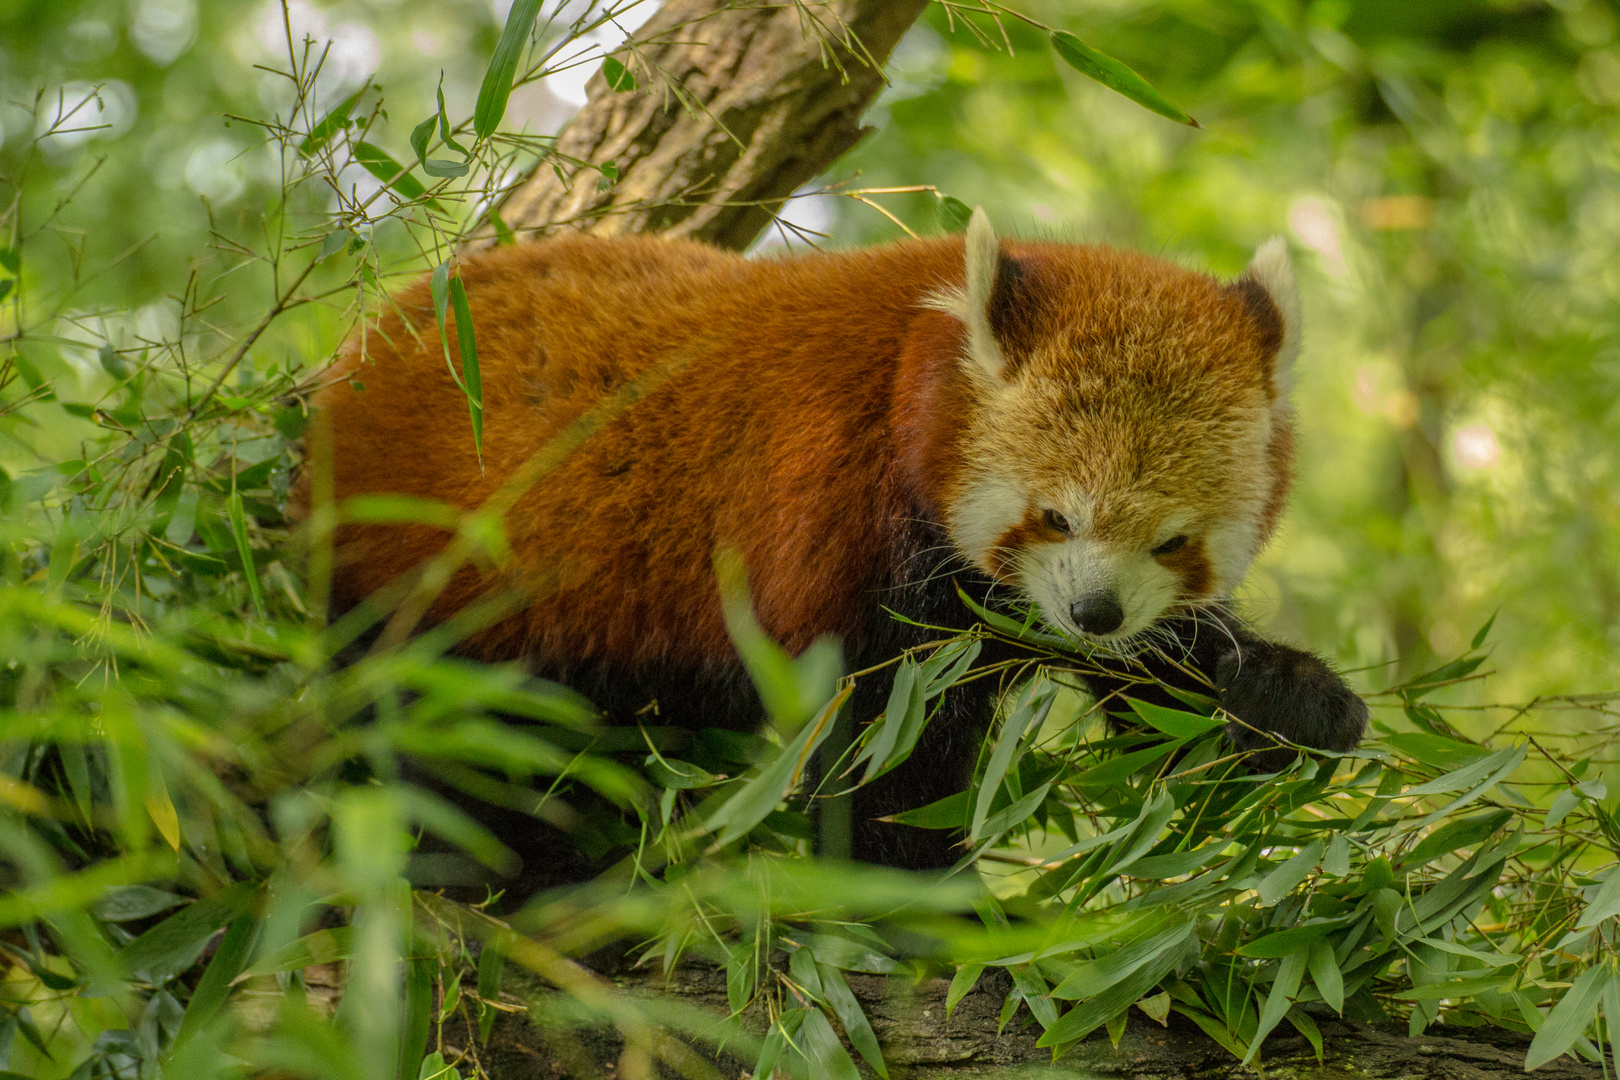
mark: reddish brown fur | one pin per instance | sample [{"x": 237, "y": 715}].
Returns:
[{"x": 826, "y": 407}]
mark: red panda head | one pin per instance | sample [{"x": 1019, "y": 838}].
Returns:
[{"x": 1127, "y": 438}]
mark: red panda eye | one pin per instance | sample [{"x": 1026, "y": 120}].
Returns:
[
  {"x": 1170, "y": 546},
  {"x": 1058, "y": 522}
]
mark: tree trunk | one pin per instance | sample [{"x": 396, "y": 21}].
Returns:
[
  {"x": 771, "y": 95},
  {"x": 920, "y": 1043}
]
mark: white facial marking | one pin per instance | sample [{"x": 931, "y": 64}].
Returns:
[{"x": 989, "y": 506}]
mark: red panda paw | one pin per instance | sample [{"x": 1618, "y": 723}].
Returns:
[{"x": 1271, "y": 688}]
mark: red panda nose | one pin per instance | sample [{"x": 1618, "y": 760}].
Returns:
[{"x": 1097, "y": 612}]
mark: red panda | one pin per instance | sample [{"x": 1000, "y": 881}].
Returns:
[{"x": 1099, "y": 432}]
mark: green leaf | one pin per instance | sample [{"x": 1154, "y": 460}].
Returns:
[
  {"x": 1286, "y": 878},
  {"x": 1015, "y": 813},
  {"x": 962, "y": 984},
  {"x": 491, "y": 966},
  {"x": 320, "y": 947},
  {"x": 906, "y": 702},
  {"x": 953, "y": 213},
  {"x": 173, "y": 944},
  {"x": 826, "y": 1054},
  {"x": 381, "y": 164},
  {"x": 418, "y": 1019},
  {"x": 1571, "y": 1017},
  {"x": 214, "y": 988},
  {"x": 1337, "y": 860},
  {"x": 1454, "y": 988},
  {"x": 239, "y": 531},
  {"x": 947, "y": 813},
  {"x": 1505, "y": 763},
  {"x": 126, "y": 903},
  {"x": 1325, "y": 973},
  {"x": 1031, "y": 986},
  {"x": 948, "y": 664},
  {"x": 441, "y": 168},
  {"x": 802, "y": 966},
  {"x": 618, "y": 76},
  {"x": 1307, "y": 1027},
  {"x": 757, "y": 795},
  {"x": 421, "y": 134},
  {"x": 776, "y": 1041},
  {"x": 1290, "y": 972},
  {"x": 1089, "y": 979},
  {"x": 329, "y": 125},
  {"x": 1283, "y": 942},
  {"x": 503, "y": 232},
  {"x": 1173, "y": 722},
  {"x": 792, "y": 690},
  {"x": 1456, "y": 835},
  {"x": 112, "y": 363},
  {"x": 1483, "y": 632},
  {"x": 1171, "y": 948},
  {"x": 1467, "y": 776},
  {"x": 1435, "y": 750},
  {"x": 1117, "y": 770},
  {"x": 473, "y": 383},
  {"x": 681, "y": 775},
  {"x": 1033, "y": 703},
  {"x": 1444, "y": 675},
  {"x": 1012, "y": 628},
  {"x": 1114, "y": 75},
  {"x": 11, "y": 260},
  {"x": 1605, "y": 904},
  {"x": 497, "y": 84},
  {"x": 835, "y": 991}
]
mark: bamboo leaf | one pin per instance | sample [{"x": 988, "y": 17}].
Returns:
[
  {"x": 1326, "y": 975},
  {"x": 251, "y": 573},
  {"x": 1571, "y": 1017},
  {"x": 329, "y": 125},
  {"x": 214, "y": 988},
  {"x": 618, "y": 77},
  {"x": 1170, "y": 949},
  {"x": 466, "y": 344},
  {"x": 1286, "y": 878},
  {"x": 757, "y": 795},
  {"x": 835, "y": 991},
  {"x": 497, "y": 85},
  {"x": 962, "y": 984},
  {"x": 1173, "y": 722},
  {"x": 1284, "y": 989},
  {"x": 173, "y": 944},
  {"x": 1115, "y": 75}
]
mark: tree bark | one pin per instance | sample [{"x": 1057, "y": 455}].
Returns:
[
  {"x": 920, "y": 1043},
  {"x": 771, "y": 95}
]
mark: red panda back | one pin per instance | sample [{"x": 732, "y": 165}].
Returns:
[{"x": 775, "y": 436}]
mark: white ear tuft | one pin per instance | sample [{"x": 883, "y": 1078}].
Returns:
[
  {"x": 983, "y": 256},
  {"x": 1272, "y": 269}
]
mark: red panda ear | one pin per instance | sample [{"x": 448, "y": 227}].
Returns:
[
  {"x": 1271, "y": 274},
  {"x": 983, "y": 258}
]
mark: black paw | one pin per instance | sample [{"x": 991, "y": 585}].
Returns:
[{"x": 1270, "y": 688}]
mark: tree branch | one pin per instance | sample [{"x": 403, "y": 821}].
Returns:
[{"x": 770, "y": 96}]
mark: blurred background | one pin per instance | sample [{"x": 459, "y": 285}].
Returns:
[{"x": 1445, "y": 172}]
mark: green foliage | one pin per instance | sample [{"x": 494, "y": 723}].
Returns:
[{"x": 213, "y": 798}]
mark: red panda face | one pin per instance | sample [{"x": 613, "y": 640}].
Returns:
[{"x": 1127, "y": 449}]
